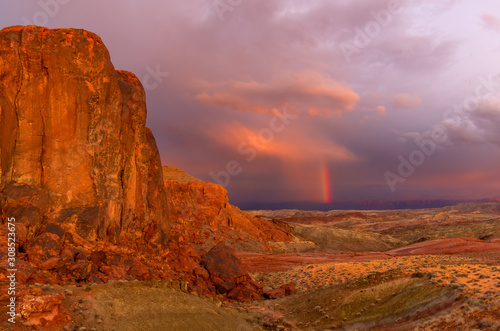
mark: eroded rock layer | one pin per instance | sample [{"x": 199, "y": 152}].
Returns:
[{"x": 201, "y": 214}]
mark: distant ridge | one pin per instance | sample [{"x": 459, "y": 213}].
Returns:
[
  {"x": 493, "y": 205},
  {"x": 360, "y": 205}
]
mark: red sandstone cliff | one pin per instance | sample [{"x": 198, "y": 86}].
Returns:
[{"x": 75, "y": 151}]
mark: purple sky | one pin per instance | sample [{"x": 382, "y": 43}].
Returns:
[{"x": 265, "y": 95}]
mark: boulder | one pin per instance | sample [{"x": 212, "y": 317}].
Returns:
[
  {"x": 43, "y": 248},
  {"x": 81, "y": 270},
  {"x": 281, "y": 291},
  {"x": 225, "y": 287},
  {"x": 229, "y": 276},
  {"x": 40, "y": 309},
  {"x": 221, "y": 262},
  {"x": 98, "y": 258}
]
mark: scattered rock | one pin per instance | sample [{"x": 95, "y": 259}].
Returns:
[
  {"x": 45, "y": 307},
  {"x": 221, "y": 262},
  {"x": 281, "y": 291}
]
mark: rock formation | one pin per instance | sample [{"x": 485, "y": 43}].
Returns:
[
  {"x": 82, "y": 177},
  {"x": 75, "y": 152},
  {"x": 201, "y": 214}
]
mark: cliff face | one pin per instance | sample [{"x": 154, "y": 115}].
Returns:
[{"x": 75, "y": 151}]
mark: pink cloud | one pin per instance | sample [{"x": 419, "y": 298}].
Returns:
[
  {"x": 291, "y": 144},
  {"x": 307, "y": 93},
  {"x": 405, "y": 100},
  {"x": 296, "y": 153},
  {"x": 490, "y": 22},
  {"x": 381, "y": 110}
]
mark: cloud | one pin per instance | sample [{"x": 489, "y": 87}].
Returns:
[
  {"x": 405, "y": 100},
  {"x": 285, "y": 163},
  {"x": 477, "y": 126},
  {"x": 290, "y": 143},
  {"x": 490, "y": 22},
  {"x": 307, "y": 93},
  {"x": 381, "y": 110}
]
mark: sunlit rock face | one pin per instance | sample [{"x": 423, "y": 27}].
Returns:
[
  {"x": 74, "y": 147},
  {"x": 201, "y": 214}
]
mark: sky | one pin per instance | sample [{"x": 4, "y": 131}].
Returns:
[{"x": 309, "y": 101}]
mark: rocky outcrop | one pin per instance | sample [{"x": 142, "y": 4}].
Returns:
[
  {"x": 75, "y": 153},
  {"x": 201, "y": 214}
]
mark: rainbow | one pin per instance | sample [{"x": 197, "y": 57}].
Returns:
[{"x": 325, "y": 183}]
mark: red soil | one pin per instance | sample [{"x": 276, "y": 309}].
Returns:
[
  {"x": 449, "y": 246},
  {"x": 258, "y": 262}
]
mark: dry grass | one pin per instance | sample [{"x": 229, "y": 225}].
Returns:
[
  {"x": 346, "y": 240},
  {"x": 479, "y": 284}
]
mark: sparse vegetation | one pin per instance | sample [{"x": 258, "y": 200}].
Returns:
[{"x": 430, "y": 292}]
